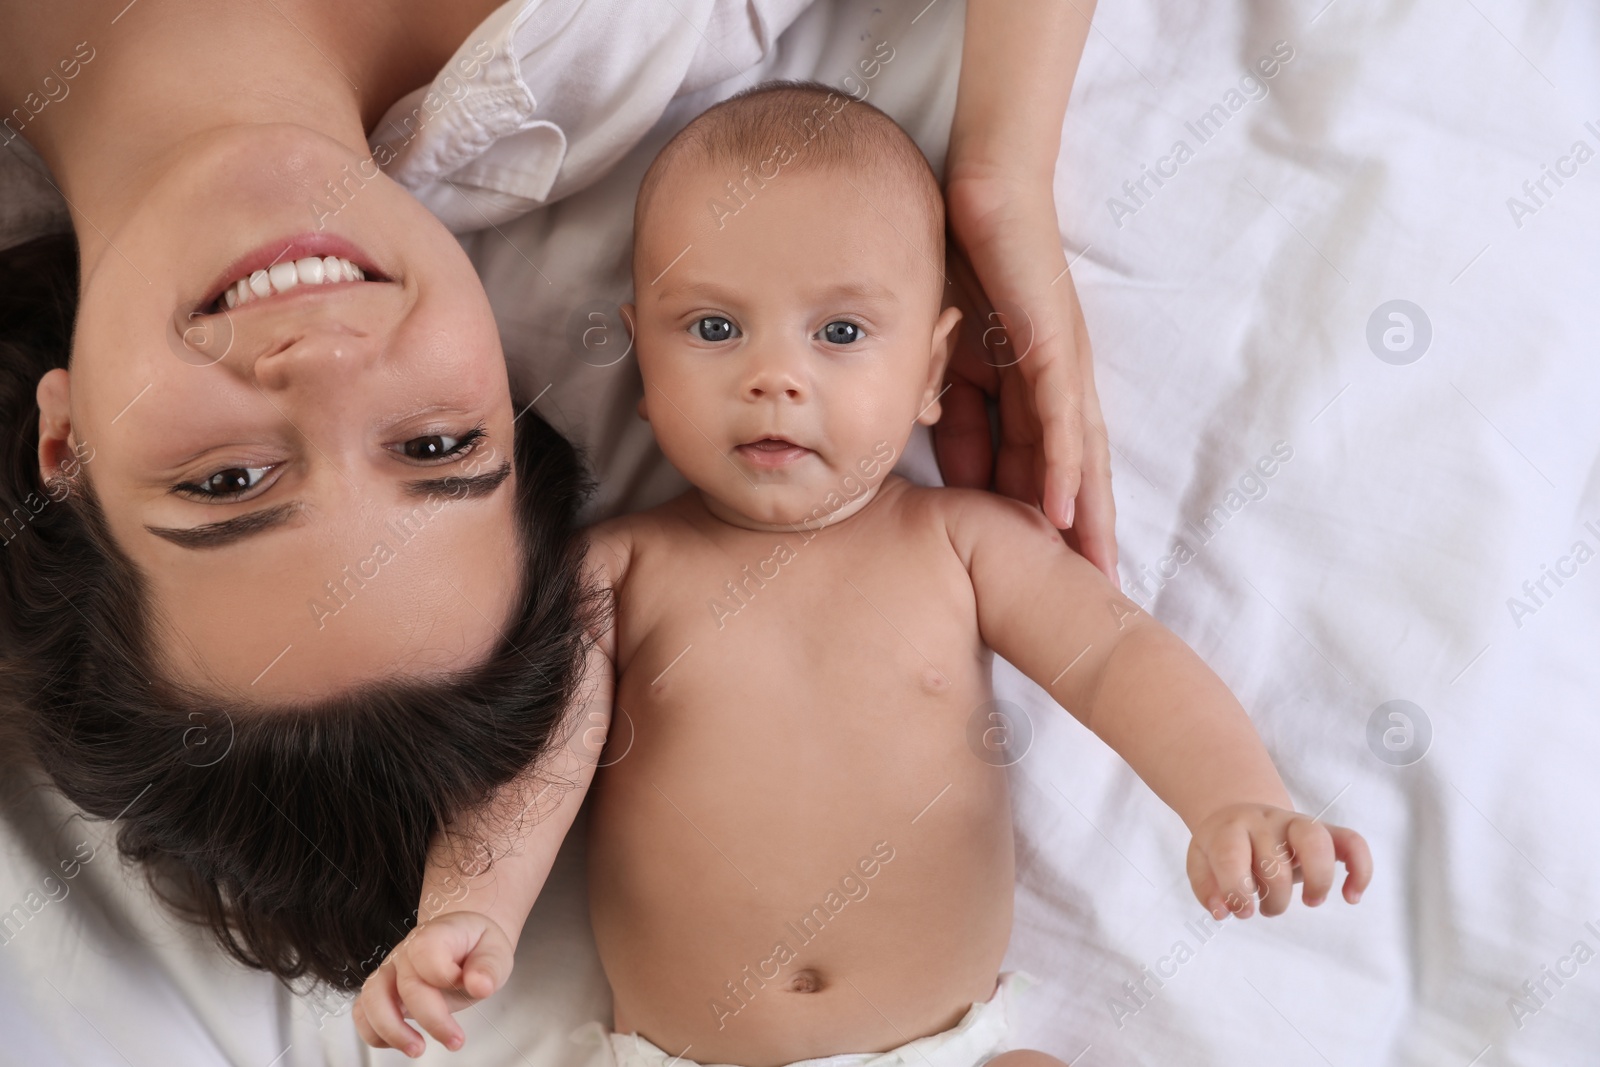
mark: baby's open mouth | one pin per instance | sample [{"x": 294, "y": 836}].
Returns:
[{"x": 772, "y": 451}]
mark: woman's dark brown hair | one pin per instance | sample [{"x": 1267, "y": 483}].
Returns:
[{"x": 297, "y": 834}]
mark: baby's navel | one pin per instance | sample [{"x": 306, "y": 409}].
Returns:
[{"x": 806, "y": 981}]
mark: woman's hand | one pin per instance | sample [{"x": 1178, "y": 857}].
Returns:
[
  {"x": 442, "y": 966},
  {"x": 1023, "y": 342},
  {"x": 1245, "y": 848},
  {"x": 1018, "y": 62}
]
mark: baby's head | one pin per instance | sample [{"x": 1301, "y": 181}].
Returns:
[{"x": 788, "y": 269}]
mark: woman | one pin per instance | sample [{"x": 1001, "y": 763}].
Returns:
[{"x": 264, "y": 511}]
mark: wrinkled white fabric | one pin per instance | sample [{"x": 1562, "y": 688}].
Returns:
[
  {"x": 545, "y": 97},
  {"x": 1383, "y": 557}
]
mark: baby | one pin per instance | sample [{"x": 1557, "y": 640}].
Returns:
[{"x": 794, "y": 851}]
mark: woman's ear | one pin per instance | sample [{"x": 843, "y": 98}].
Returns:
[
  {"x": 58, "y": 455},
  {"x": 944, "y": 343}
]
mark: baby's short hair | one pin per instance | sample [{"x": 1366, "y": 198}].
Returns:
[{"x": 787, "y": 126}]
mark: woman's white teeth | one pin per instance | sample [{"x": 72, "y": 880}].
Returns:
[{"x": 281, "y": 277}]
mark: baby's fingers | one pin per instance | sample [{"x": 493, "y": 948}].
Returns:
[
  {"x": 1204, "y": 883},
  {"x": 1351, "y": 849},
  {"x": 1313, "y": 851},
  {"x": 489, "y": 965},
  {"x": 1274, "y": 869},
  {"x": 426, "y": 1004},
  {"x": 377, "y": 1015},
  {"x": 1231, "y": 862}
]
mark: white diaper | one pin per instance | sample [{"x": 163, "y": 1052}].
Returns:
[{"x": 980, "y": 1035}]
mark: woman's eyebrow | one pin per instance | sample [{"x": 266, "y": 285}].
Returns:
[
  {"x": 459, "y": 488},
  {"x": 228, "y": 531}
]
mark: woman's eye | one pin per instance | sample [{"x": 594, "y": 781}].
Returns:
[
  {"x": 436, "y": 446},
  {"x": 232, "y": 482},
  {"x": 842, "y": 333},
  {"x": 715, "y": 328}
]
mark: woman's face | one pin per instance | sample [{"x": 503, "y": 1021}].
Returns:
[{"x": 317, "y": 483}]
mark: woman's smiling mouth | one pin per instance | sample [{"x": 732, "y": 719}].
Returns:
[
  {"x": 286, "y": 264},
  {"x": 281, "y": 277}
]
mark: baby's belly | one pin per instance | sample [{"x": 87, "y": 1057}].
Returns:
[{"x": 776, "y": 877}]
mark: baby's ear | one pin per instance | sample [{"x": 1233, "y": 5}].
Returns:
[{"x": 944, "y": 343}]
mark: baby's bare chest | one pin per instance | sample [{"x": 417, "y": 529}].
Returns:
[
  {"x": 809, "y": 632},
  {"x": 792, "y": 701}
]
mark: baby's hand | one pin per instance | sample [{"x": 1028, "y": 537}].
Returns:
[
  {"x": 1243, "y": 847},
  {"x": 441, "y": 967}
]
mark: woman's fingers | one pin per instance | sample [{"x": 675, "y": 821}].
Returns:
[
  {"x": 961, "y": 440},
  {"x": 1094, "y": 530},
  {"x": 1351, "y": 849},
  {"x": 1019, "y": 466},
  {"x": 1024, "y": 325},
  {"x": 381, "y": 1007},
  {"x": 1051, "y": 370}
]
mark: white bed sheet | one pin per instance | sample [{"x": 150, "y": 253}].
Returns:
[{"x": 1229, "y": 310}]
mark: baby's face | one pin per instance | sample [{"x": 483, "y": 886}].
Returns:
[{"x": 787, "y": 354}]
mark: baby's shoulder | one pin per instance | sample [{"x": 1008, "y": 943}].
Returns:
[
  {"x": 617, "y": 542},
  {"x": 973, "y": 516},
  {"x": 952, "y": 505}
]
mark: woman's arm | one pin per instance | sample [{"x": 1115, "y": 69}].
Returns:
[{"x": 1018, "y": 63}]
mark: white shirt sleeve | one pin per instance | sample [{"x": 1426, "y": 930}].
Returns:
[{"x": 546, "y": 95}]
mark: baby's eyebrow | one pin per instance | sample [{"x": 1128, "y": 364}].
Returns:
[
  {"x": 709, "y": 290},
  {"x": 859, "y": 289},
  {"x": 862, "y": 290}
]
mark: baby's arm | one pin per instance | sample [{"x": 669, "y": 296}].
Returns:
[
  {"x": 1140, "y": 689},
  {"x": 472, "y": 912}
]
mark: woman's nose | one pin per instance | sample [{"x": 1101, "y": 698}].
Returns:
[{"x": 322, "y": 359}]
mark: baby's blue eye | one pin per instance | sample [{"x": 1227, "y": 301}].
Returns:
[
  {"x": 715, "y": 328},
  {"x": 843, "y": 333}
]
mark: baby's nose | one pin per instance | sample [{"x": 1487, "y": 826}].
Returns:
[{"x": 775, "y": 375}]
